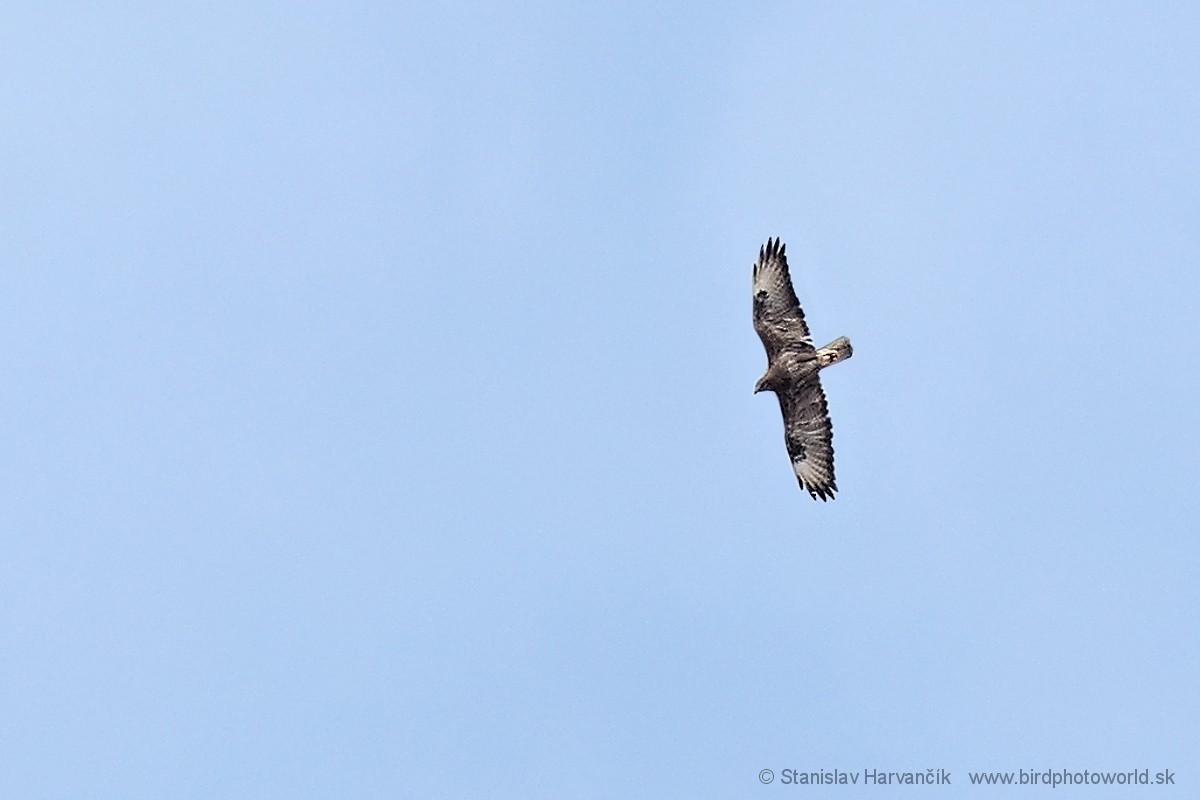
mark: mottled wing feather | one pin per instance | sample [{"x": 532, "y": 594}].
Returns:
[
  {"x": 809, "y": 436},
  {"x": 778, "y": 318}
]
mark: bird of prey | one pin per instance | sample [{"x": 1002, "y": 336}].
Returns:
[{"x": 793, "y": 367}]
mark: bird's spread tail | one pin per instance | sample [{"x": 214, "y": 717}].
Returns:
[{"x": 837, "y": 350}]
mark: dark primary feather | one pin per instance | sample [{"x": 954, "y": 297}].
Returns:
[{"x": 778, "y": 318}]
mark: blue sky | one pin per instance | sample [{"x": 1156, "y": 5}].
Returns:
[{"x": 378, "y": 414}]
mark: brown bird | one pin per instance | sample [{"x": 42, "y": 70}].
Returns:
[{"x": 793, "y": 367}]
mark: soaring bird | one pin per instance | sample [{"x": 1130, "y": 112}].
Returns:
[{"x": 793, "y": 371}]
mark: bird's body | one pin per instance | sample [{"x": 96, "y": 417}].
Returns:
[{"x": 793, "y": 367}]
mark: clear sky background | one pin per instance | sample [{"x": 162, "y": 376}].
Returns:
[{"x": 377, "y": 413}]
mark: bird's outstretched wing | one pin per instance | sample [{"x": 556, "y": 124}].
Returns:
[
  {"x": 809, "y": 435},
  {"x": 778, "y": 318}
]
